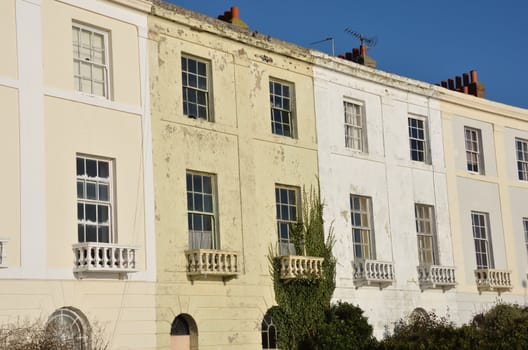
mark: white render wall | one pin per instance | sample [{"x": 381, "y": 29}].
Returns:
[{"x": 387, "y": 175}]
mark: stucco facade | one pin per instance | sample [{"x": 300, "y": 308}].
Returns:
[
  {"x": 235, "y": 147},
  {"x": 495, "y": 191},
  {"x": 154, "y": 158},
  {"x": 380, "y": 170},
  {"x": 55, "y": 256}
]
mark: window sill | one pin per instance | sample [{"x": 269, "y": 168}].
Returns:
[{"x": 93, "y": 100}]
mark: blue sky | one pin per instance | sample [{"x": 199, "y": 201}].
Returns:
[{"x": 421, "y": 39}]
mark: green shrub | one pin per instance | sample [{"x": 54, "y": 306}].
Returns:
[{"x": 344, "y": 328}]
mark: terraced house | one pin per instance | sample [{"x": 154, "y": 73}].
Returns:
[
  {"x": 155, "y": 158},
  {"x": 234, "y": 144},
  {"x": 75, "y": 224}
]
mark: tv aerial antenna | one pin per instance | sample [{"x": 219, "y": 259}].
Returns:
[
  {"x": 369, "y": 42},
  {"x": 328, "y": 38}
]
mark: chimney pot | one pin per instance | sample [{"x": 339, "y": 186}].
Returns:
[
  {"x": 465, "y": 77},
  {"x": 458, "y": 82},
  {"x": 234, "y": 12},
  {"x": 363, "y": 50},
  {"x": 474, "y": 76},
  {"x": 465, "y": 89},
  {"x": 451, "y": 84},
  {"x": 341, "y": 56},
  {"x": 444, "y": 83},
  {"x": 349, "y": 56},
  {"x": 355, "y": 52}
]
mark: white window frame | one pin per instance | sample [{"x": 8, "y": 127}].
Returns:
[
  {"x": 287, "y": 214},
  {"x": 84, "y": 202},
  {"x": 282, "y": 105},
  {"x": 426, "y": 234},
  {"x": 522, "y": 158},
  {"x": 71, "y": 326},
  {"x": 355, "y": 124},
  {"x": 206, "y": 237},
  {"x": 415, "y": 138},
  {"x": 198, "y": 84},
  {"x": 482, "y": 240},
  {"x": 361, "y": 220},
  {"x": 473, "y": 144},
  {"x": 78, "y": 60}
]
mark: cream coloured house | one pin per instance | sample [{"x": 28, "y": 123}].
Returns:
[
  {"x": 76, "y": 224},
  {"x": 486, "y": 153}
]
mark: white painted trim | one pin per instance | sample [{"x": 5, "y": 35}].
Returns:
[
  {"x": 33, "y": 236},
  {"x": 66, "y": 274},
  {"x": 111, "y": 9},
  {"x": 9, "y": 83},
  {"x": 97, "y": 101},
  {"x": 148, "y": 167}
]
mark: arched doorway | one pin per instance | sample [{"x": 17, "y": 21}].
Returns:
[
  {"x": 70, "y": 327},
  {"x": 184, "y": 333}
]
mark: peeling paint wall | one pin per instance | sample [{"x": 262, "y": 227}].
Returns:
[
  {"x": 387, "y": 175},
  {"x": 239, "y": 148}
]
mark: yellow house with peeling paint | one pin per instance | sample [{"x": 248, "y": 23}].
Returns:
[{"x": 234, "y": 143}]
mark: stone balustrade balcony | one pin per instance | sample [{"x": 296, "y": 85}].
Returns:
[
  {"x": 3, "y": 253},
  {"x": 104, "y": 257},
  {"x": 436, "y": 276},
  {"x": 204, "y": 262},
  {"x": 295, "y": 266},
  {"x": 373, "y": 272},
  {"x": 493, "y": 279}
]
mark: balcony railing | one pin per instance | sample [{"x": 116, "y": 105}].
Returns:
[
  {"x": 104, "y": 257},
  {"x": 436, "y": 276},
  {"x": 368, "y": 272},
  {"x": 3, "y": 253},
  {"x": 492, "y": 279},
  {"x": 203, "y": 262},
  {"x": 294, "y": 266}
]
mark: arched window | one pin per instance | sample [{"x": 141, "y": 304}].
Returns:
[
  {"x": 180, "y": 326},
  {"x": 71, "y": 328},
  {"x": 184, "y": 333},
  {"x": 419, "y": 314},
  {"x": 269, "y": 333}
]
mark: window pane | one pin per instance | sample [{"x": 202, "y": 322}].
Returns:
[
  {"x": 91, "y": 233},
  {"x": 91, "y": 168},
  {"x": 104, "y": 192},
  {"x": 80, "y": 166},
  {"x": 80, "y": 189},
  {"x": 91, "y": 190}
]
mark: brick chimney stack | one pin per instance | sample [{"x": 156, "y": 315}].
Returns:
[
  {"x": 232, "y": 16},
  {"x": 464, "y": 85},
  {"x": 359, "y": 55}
]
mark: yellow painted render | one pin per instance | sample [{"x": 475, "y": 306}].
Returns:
[
  {"x": 8, "y": 58},
  {"x": 499, "y": 116},
  {"x": 57, "y": 19},
  {"x": 248, "y": 161},
  {"x": 124, "y": 311},
  {"x": 10, "y": 184},
  {"x": 76, "y": 128}
]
